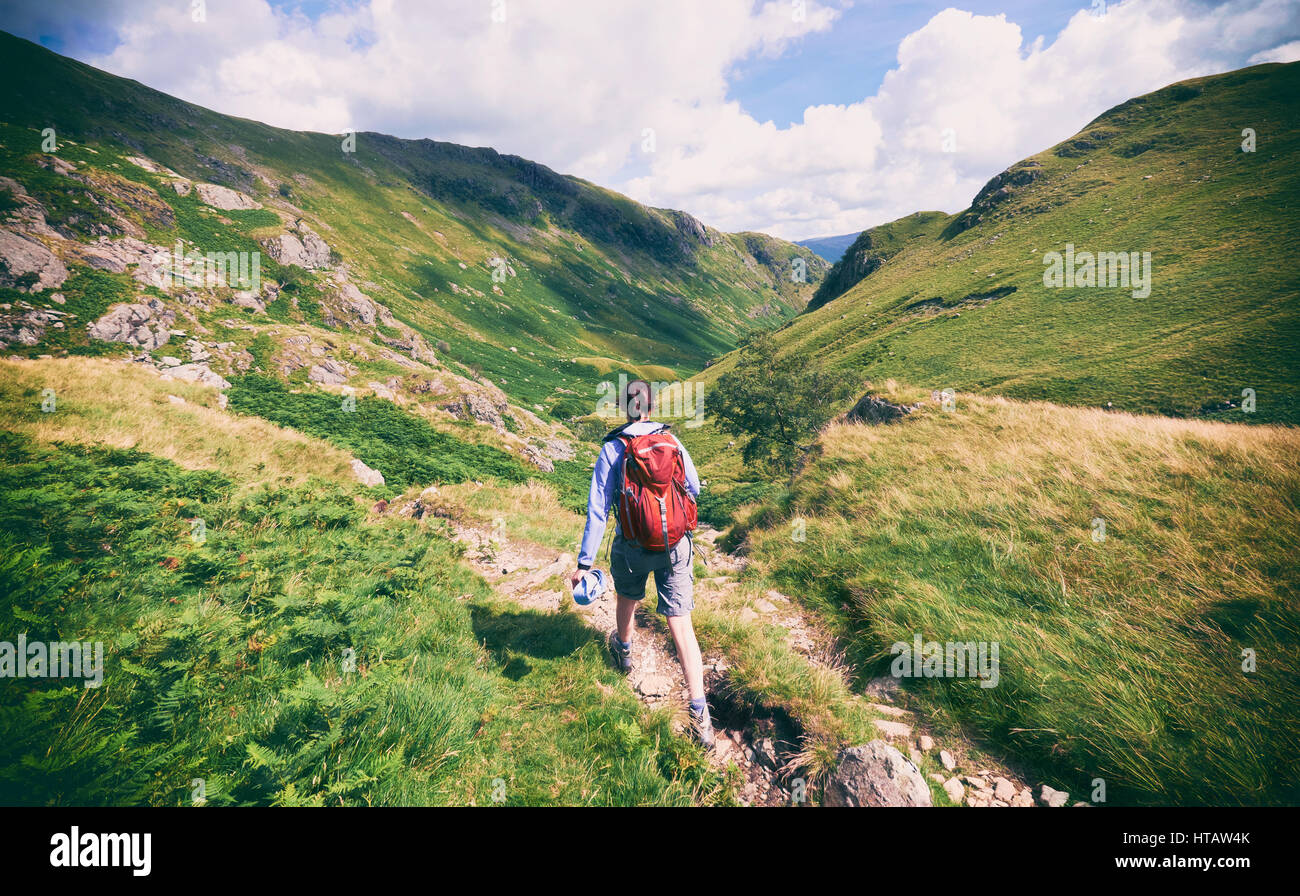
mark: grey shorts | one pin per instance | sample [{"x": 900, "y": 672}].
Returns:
[{"x": 674, "y": 572}]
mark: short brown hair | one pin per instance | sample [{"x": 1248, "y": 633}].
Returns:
[{"x": 638, "y": 399}]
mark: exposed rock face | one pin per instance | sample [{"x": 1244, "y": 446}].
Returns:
[
  {"x": 365, "y": 475},
  {"x": 691, "y": 227},
  {"x": 225, "y": 198},
  {"x": 539, "y": 460},
  {"x": 145, "y": 325},
  {"x": 358, "y": 303},
  {"x": 198, "y": 373},
  {"x": 299, "y": 246},
  {"x": 328, "y": 371},
  {"x": 996, "y": 191},
  {"x": 151, "y": 262},
  {"x": 875, "y": 775},
  {"x": 558, "y": 449},
  {"x": 382, "y": 391},
  {"x": 151, "y": 166},
  {"x": 29, "y": 215},
  {"x": 872, "y": 409},
  {"x": 27, "y": 264},
  {"x": 28, "y": 327},
  {"x": 481, "y": 408}
]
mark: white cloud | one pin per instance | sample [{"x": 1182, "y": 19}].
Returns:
[
  {"x": 574, "y": 84},
  {"x": 1289, "y": 52}
]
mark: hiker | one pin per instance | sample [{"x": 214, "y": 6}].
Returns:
[{"x": 654, "y": 520}]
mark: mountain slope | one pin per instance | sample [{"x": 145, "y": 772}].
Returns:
[
  {"x": 1165, "y": 173},
  {"x": 419, "y": 227}
]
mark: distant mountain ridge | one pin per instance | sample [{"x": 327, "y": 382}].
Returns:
[{"x": 830, "y": 248}]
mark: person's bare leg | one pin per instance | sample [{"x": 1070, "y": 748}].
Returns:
[
  {"x": 623, "y": 617},
  {"x": 688, "y": 653}
]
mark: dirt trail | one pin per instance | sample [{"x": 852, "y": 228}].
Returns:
[{"x": 536, "y": 577}]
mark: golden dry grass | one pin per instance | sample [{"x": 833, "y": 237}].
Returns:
[
  {"x": 108, "y": 402},
  {"x": 1122, "y": 654}
]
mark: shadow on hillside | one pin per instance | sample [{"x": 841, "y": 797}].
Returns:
[{"x": 510, "y": 635}]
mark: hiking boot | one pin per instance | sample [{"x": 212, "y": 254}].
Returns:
[
  {"x": 622, "y": 656},
  {"x": 702, "y": 728}
]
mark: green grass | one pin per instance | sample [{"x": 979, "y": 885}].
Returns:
[
  {"x": 88, "y": 293},
  {"x": 1120, "y": 659},
  {"x": 404, "y": 448},
  {"x": 594, "y": 273},
  {"x": 1163, "y": 173},
  {"x": 389, "y": 675}
]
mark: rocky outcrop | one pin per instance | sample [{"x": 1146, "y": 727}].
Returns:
[
  {"x": 152, "y": 263},
  {"x": 480, "y": 407},
  {"x": 357, "y": 303},
  {"x": 691, "y": 227},
  {"x": 197, "y": 373},
  {"x": 875, "y": 774},
  {"x": 365, "y": 475},
  {"x": 144, "y": 325},
  {"x": 27, "y": 264},
  {"x": 329, "y": 372},
  {"x": 299, "y": 246},
  {"x": 225, "y": 198},
  {"x": 27, "y": 327},
  {"x": 872, "y": 409},
  {"x": 995, "y": 192}
]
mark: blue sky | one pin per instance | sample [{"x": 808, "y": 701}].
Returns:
[{"x": 848, "y": 62}]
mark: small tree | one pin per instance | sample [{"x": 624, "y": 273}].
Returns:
[{"x": 777, "y": 402}]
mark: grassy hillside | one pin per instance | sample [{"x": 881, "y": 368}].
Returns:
[
  {"x": 1121, "y": 643},
  {"x": 415, "y": 224},
  {"x": 964, "y": 306},
  {"x": 872, "y": 248},
  {"x": 389, "y": 675}
]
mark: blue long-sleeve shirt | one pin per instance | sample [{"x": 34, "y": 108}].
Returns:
[{"x": 605, "y": 483}]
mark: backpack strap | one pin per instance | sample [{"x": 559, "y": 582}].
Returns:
[{"x": 617, "y": 432}]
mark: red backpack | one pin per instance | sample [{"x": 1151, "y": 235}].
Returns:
[{"x": 654, "y": 510}]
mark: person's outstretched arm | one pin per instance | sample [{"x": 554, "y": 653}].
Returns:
[{"x": 598, "y": 503}]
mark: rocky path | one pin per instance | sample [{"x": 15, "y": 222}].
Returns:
[{"x": 537, "y": 578}]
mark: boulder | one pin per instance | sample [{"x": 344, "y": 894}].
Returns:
[
  {"x": 1003, "y": 789},
  {"x": 1051, "y": 797},
  {"x": 249, "y": 299},
  {"x": 382, "y": 391},
  {"x": 365, "y": 475},
  {"x": 27, "y": 264},
  {"x": 481, "y": 408},
  {"x": 152, "y": 263},
  {"x": 329, "y": 371},
  {"x": 875, "y": 774},
  {"x": 197, "y": 373},
  {"x": 299, "y": 246},
  {"x": 955, "y": 790},
  {"x": 357, "y": 303},
  {"x": 872, "y": 409},
  {"x": 144, "y": 325},
  {"x": 225, "y": 198}
]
